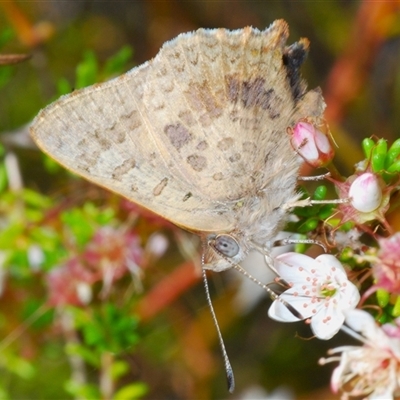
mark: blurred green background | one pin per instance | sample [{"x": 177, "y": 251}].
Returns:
[{"x": 157, "y": 342}]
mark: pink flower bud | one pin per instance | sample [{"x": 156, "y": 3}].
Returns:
[
  {"x": 313, "y": 145},
  {"x": 366, "y": 193}
]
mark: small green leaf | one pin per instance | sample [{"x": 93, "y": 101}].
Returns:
[
  {"x": 132, "y": 391},
  {"x": 394, "y": 167},
  {"x": 320, "y": 193},
  {"x": 119, "y": 369},
  {"x": 86, "y": 71},
  {"x": 300, "y": 248},
  {"x": 367, "y": 145},
  {"x": 396, "y": 308},
  {"x": 383, "y": 297},
  {"x": 5, "y": 36},
  {"x": 116, "y": 64},
  {"x": 83, "y": 351},
  {"x": 392, "y": 153},
  {"x": 3, "y": 177},
  {"x": 326, "y": 211},
  {"x": 81, "y": 227},
  {"x": 82, "y": 391},
  {"x": 35, "y": 199},
  {"x": 379, "y": 155},
  {"x": 63, "y": 86},
  {"x": 308, "y": 225},
  {"x": 21, "y": 367}
]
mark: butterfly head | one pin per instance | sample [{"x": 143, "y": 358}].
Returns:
[{"x": 223, "y": 251}]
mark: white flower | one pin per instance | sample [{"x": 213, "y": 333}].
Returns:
[
  {"x": 319, "y": 291},
  {"x": 313, "y": 145},
  {"x": 371, "y": 370},
  {"x": 366, "y": 192}
]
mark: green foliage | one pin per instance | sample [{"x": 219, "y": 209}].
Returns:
[
  {"x": 38, "y": 237},
  {"x": 116, "y": 64},
  {"x": 107, "y": 329},
  {"x": 89, "y": 71},
  {"x": 132, "y": 391},
  {"x": 384, "y": 160}
]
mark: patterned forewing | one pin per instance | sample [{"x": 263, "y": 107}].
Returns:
[
  {"x": 104, "y": 134},
  {"x": 189, "y": 133},
  {"x": 228, "y": 106}
]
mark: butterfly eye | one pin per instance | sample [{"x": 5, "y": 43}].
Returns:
[{"x": 226, "y": 245}]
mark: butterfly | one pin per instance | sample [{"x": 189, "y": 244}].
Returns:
[{"x": 198, "y": 135}]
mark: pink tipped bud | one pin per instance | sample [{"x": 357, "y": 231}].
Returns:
[
  {"x": 313, "y": 145},
  {"x": 366, "y": 193}
]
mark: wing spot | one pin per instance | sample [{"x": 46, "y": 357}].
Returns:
[
  {"x": 187, "y": 118},
  {"x": 225, "y": 143},
  {"x": 187, "y": 196},
  {"x": 178, "y": 135},
  {"x": 249, "y": 147},
  {"x": 218, "y": 176},
  {"x": 198, "y": 163},
  {"x": 252, "y": 93},
  {"x": 160, "y": 187},
  {"x": 236, "y": 157},
  {"x": 203, "y": 145},
  {"x": 120, "y": 137},
  {"x": 202, "y": 98},
  {"x": 124, "y": 168}
]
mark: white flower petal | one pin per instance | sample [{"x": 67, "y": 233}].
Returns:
[
  {"x": 319, "y": 290},
  {"x": 279, "y": 312},
  {"x": 361, "y": 321},
  {"x": 327, "y": 323},
  {"x": 330, "y": 264},
  {"x": 292, "y": 266}
]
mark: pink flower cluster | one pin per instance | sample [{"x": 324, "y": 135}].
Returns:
[{"x": 110, "y": 255}]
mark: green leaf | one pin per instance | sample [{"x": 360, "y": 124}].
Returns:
[
  {"x": 383, "y": 297},
  {"x": 379, "y": 155},
  {"x": 396, "y": 308},
  {"x": 367, "y": 145},
  {"x": 20, "y": 367},
  {"x": 308, "y": 225},
  {"x": 395, "y": 167},
  {"x": 63, "y": 86},
  {"x": 82, "y": 391},
  {"x": 116, "y": 64},
  {"x": 320, "y": 193},
  {"x": 326, "y": 211},
  {"x": 35, "y": 199},
  {"x": 86, "y": 71},
  {"x": 84, "y": 352},
  {"x": 5, "y": 36},
  {"x": 3, "y": 177},
  {"x": 119, "y": 369},
  {"x": 82, "y": 228},
  {"x": 392, "y": 153},
  {"x": 6, "y": 72},
  {"x": 132, "y": 391},
  {"x": 51, "y": 166}
]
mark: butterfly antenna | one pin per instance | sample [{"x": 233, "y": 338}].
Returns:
[
  {"x": 228, "y": 368},
  {"x": 272, "y": 294}
]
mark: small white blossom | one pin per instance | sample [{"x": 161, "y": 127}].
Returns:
[
  {"x": 371, "y": 370},
  {"x": 313, "y": 145},
  {"x": 366, "y": 193},
  {"x": 319, "y": 291}
]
